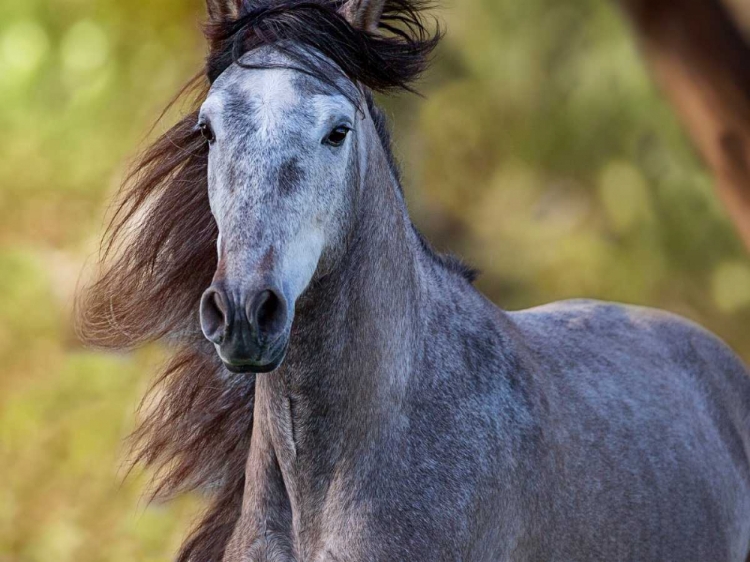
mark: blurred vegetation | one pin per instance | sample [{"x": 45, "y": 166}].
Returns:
[{"x": 541, "y": 153}]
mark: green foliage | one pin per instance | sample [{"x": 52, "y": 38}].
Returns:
[
  {"x": 541, "y": 152},
  {"x": 80, "y": 84}
]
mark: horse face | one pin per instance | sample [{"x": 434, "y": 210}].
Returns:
[{"x": 282, "y": 177}]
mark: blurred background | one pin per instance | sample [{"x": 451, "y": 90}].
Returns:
[{"x": 541, "y": 152}]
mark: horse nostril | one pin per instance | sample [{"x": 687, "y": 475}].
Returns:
[
  {"x": 213, "y": 313},
  {"x": 267, "y": 312}
]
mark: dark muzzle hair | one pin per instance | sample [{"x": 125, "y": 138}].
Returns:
[{"x": 159, "y": 253}]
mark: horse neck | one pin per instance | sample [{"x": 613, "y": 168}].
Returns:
[{"x": 359, "y": 323}]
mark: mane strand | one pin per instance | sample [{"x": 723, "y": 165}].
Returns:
[{"x": 382, "y": 62}]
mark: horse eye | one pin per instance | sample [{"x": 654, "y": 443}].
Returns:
[
  {"x": 207, "y": 132},
  {"x": 337, "y": 136}
]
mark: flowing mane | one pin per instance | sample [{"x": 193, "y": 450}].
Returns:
[{"x": 159, "y": 254}]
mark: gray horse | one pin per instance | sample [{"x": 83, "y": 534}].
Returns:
[{"x": 357, "y": 399}]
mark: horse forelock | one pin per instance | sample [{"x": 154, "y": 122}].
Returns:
[{"x": 389, "y": 60}]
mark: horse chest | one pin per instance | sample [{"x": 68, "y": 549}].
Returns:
[
  {"x": 337, "y": 532},
  {"x": 293, "y": 513}
]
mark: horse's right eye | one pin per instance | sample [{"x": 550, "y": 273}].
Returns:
[{"x": 207, "y": 132}]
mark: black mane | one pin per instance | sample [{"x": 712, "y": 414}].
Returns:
[{"x": 386, "y": 61}]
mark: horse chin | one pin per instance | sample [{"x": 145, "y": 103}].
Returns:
[{"x": 255, "y": 367}]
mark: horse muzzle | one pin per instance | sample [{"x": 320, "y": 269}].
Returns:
[{"x": 249, "y": 328}]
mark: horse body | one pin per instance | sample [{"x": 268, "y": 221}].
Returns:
[
  {"x": 414, "y": 420},
  {"x": 529, "y": 436},
  {"x": 578, "y": 431},
  {"x": 355, "y": 398}
]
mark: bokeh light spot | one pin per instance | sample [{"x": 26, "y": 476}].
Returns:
[
  {"x": 23, "y": 47},
  {"x": 84, "y": 48},
  {"x": 731, "y": 286},
  {"x": 624, "y": 193}
]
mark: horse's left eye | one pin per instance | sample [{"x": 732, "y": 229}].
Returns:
[
  {"x": 337, "y": 136},
  {"x": 207, "y": 132}
]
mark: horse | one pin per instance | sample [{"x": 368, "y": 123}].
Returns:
[{"x": 342, "y": 392}]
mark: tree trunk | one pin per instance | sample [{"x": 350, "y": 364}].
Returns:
[{"x": 702, "y": 61}]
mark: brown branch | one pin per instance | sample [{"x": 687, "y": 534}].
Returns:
[{"x": 702, "y": 62}]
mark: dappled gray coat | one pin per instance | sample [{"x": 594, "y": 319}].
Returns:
[{"x": 355, "y": 398}]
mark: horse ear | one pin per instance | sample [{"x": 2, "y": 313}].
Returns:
[
  {"x": 222, "y": 10},
  {"x": 363, "y": 14}
]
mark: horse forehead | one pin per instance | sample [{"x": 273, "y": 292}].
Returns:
[
  {"x": 272, "y": 89},
  {"x": 261, "y": 100},
  {"x": 269, "y": 90}
]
